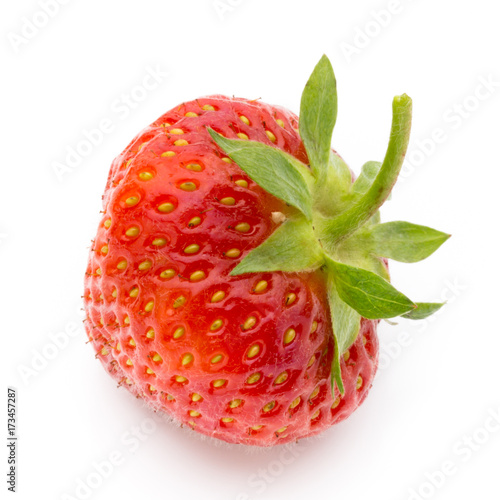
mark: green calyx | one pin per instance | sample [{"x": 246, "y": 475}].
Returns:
[{"x": 336, "y": 229}]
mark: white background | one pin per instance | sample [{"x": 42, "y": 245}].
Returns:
[{"x": 435, "y": 396}]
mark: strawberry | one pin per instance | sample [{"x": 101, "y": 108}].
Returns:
[{"x": 239, "y": 272}]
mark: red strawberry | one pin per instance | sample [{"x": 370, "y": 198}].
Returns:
[{"x": 246, "y": 358}]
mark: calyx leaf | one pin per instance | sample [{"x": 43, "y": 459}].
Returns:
[
  {"x": 424, "y": 310},
  {"x": 291, "y": 248},
  {"x": 277, "y": 172},
  {"x": 318, "y": 113},
  {"x": 370, "y": 295},
  {"x": 403, "y": 241}
]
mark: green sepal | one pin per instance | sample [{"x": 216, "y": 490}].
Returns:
[
  {"x": 292, "y": 247},
  {"x": 318, "y": 114},
  {"x": 423, "y": 310},
  {"x": 369, "y": 172},
  {"x": 273, "y": 170},
  {"x": 370, "y": 295},
  {"x": 401, "y": 241},
  {"x": 345, "y": 325}
]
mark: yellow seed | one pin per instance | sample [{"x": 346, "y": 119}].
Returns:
[
  {"x": 315, "y": 415},
  {"x": 197, "y": 276},
  {"x": 176, "y": 131},
  {"x": 196, "y": 397},
  {"x": 256, "y": 427},
  {"x": 249, "y": 323},
  {"x": 271, "y": 136},
  {"x": 107, "y": 223},
  {"x": 314, "y": 393},
  {"x": 219, "y": 382},
  {"x": 253, "y": 351},
  {"x": 170, "y": 397},
  {"x": 335, "y": 403},
  {"x": 128, "y": 381},
  {"x": 359, "y": 383},
  {"x": 195, "y": 167},
  {"x": 235, "y": 403},
  {"x": 218, "y": 296},
  {"x": 242, "y": 183},
  {"x": 104, "y": 351},
  {"x": 149, "y": 371},
  {"x": 216, "y": 359},
  {"x": 194, "y": 413},
  {"x": 157, "y": 358},
  {"x": 166, "y": 207},
  {"x": 114, "y": 293},
  {"x": 180, "y": 379},
  {"x": 243, "y": 136},
  {"x": 311, "y": 361},
  {"x": 208, "y": 107},
  {"x": 289, "y": 336},
  {"x": 145, "y": 265},
  {"x": 253, "y": 378},
  {"x": 186, "y": 359},
  {"x": 118, "y": 347},
  {"x": 150, "y": 334},
  {"x": 98, "y": 271},
  {"x": 245, "y": 120},
  {"x": 104, "y": 249},
  {"x": 149, "y": 306},
  {"x": 167, "y": 154},
  {"x": 127, "y": 163},
  {"x": 126, "y": 320},
  {"x": 188, "y": 186},
  {"x": 294, "y": 403},
  {"x": 152, "y": 389},
  {"x": 132, "y": 232},
  {"x": 228, "y": 201},
  {"x": 227, "y": 420},
  {"x": 280, "y": 122},
  {"x": 260, "y": 287},
  {"x": 227, "y": 160},
  {"x": 280, "y": 431},
  {"x": 268, "y": 407},
  {"x": 145, "y": 176},
  {"x": 347, "y": 355},
  {"x": 179, "y": 332},
  {"x": 242, "y": 227},
  {"x": 122, "y": 264},
  {"x": 216, "y": 324},
  {"x": 364, "y": 340},
  {"x": 314, "y": 326},
  {"x": 192, "y": 248},
  {"x": 129, "y": 362},
  {"x": 132, "y": 342},
  {"x": 233, "y": 253},
  {"x": 194, "y": 221},
  {"x": 159, "y": 242},
  {"x": 181, "y": 142},
  {"x": 179, "y": 302},
  {"x": 101, "y": 321},
  {"x": 281, "y": 378},
  {"x": 132, "y": 200},
  {"x": 190, "y": 114},
  {"x": 167, "y": 274},
  {"x": 290, "y": 299}
]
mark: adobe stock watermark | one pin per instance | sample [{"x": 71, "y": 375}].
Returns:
[
  {"x": 365, "y": 33},
  {"x": 121, "y": 108},
  {"x": 462, "y": 451},
  {"x": 391, "y": 351},
  {"x": 264, "y": 476},
  {"x": 453, "y": 118},
  {"x": 57, "y": 342},
  {"x": 32, "y": 25},
  {"x": 101, "y": 470},
  {"x": 223, "y": 7}
]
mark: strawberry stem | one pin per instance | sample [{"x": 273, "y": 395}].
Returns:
[{"x": 364, "y": 208}]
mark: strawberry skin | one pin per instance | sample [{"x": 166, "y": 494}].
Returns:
[{"x": 246, "y": 359}]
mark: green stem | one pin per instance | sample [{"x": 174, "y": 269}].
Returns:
[{"x": 358, "y": 214}]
